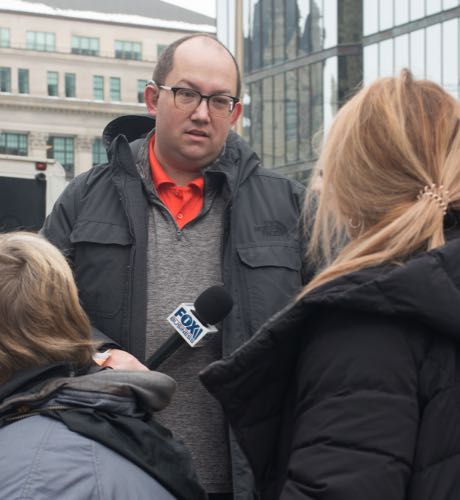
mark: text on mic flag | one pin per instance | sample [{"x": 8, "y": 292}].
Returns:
[{"x": 184, "y": 321}]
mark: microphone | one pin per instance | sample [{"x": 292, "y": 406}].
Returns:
[{"x": 193, "y": 321}]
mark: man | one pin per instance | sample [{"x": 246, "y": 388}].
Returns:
[{"x": 183, "y": 204}]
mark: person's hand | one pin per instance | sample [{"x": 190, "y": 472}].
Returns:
[{"x": 122, "y": 360}]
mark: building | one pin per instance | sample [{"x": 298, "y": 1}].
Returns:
[
  {"x": 300, "y": 60},
  {"x": 303, "y": 58},
  {"x": 65, "y": 73},
  {"x": 422, "y": 35}
]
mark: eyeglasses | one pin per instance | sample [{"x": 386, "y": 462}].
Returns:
[{"x": 189, "y": 99}]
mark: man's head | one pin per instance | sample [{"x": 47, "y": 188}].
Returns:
[
  {"x": 190, "y": 137},
  {"x": 166, "y": 61}
]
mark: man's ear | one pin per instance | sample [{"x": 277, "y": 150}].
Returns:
[
  {"x": 236, "y": 113},
  {"x": 151, "y": 93}
]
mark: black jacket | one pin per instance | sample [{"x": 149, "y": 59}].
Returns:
[
  {"x": 100, "y": 222},
  {"x": 354, "y": 391}
]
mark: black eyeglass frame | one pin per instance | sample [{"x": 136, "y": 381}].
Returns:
[{"x": 174, "y": 90}]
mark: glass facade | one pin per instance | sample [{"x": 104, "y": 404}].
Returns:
[
  {"x": 62, "y": 150},
  {"x": 84, "y": 45},
  {"x": 23, "y": 81},
  {"x": 140, "y": 90},
  {"x": 115, "y": 88},
  {"x": 70, "y": 80},
  {"x": 53, "y": 83},
  {"x": 13, "y": 144},
  {"x": 5, "y": 79},
  {"x": 302, "y": 58},
  {"x": 98, "y": 87},
  {"x": 99, "y": 153},
  {"x": 39, "y": 40},
  {"x": 422, "y": 35},
  {"x": 4, "y": 37},
  {"x": 128, "y": 50}
]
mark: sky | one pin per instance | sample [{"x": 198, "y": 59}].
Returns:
[{"x": 207, "y": 7}]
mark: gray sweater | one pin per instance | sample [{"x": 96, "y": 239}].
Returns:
[{"x": 180, "y": 265}]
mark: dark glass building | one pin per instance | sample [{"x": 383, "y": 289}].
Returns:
[
  {"x": 303, "y": 58},
  {"x": 422, "y": 35}
]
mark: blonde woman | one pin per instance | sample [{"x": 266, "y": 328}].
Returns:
[
  {"x": 69, "y": 429},
  {"x": 353, "y": 391}
]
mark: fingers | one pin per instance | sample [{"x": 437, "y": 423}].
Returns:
[{"x": 122, "y": 360}]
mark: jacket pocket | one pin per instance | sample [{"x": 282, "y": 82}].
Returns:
[
  {"x": 102, "y": 259},
  {"x": 271, "y": 275},
  {"x": 270, "y": 256}
]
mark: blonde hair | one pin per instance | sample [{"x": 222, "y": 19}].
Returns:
[
  {"x": 386, "y": 144},
  {"x": 41, "y": 320}
]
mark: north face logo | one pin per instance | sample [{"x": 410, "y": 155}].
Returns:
[{"x": 272, "y": 228}]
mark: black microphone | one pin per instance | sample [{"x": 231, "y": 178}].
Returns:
[{"x": 192, "y": 322}]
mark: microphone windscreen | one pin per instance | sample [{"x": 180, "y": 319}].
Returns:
[{"x": 213, "y": 305}]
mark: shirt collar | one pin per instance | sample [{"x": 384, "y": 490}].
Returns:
[{"x": 161, "y": 178}]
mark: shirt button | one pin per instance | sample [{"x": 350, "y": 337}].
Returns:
[
  {"x": 177, "y": 193},
  {"x": 180, "y": 216}
]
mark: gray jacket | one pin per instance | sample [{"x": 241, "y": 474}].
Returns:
[
  {"x": 100, "y": 222},
  {"x": 43, "y": 459}
]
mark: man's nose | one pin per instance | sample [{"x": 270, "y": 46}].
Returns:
[{"x": 201, "y": 112}]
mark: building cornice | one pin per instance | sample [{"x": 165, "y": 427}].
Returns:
[
  {"x": 181, "y": 27},
  {"x": 65, "y": 106},
  {"x": 66, "y": 57}
]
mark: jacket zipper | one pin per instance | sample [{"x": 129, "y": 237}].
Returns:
[{"x": 39, "y": 411}]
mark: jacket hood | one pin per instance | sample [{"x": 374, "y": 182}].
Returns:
[
  {"x": 237, "y": 160},
  {"x": 131, "y": 126}
]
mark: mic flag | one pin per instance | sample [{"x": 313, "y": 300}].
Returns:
[{"x": 193, "y": 322}]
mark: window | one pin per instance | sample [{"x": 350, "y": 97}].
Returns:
[
  {"x": 160, "y": 49},
  {"x": 39, "y": 40},
  {"x": 62, "y": 150},
  {"x": 53, "y": 79},
  {"x": 70, "y": 84},
  {"x": 115, "y": 89},
  {"x": 5, "y": 79},
  {"x": 85, "y": 45},
  {"x": 4, "y": 37},
  {"x": 140, "y": 90},
  {"x": 23, "y": 81},
  {"x": 98, "y": 87},
  {"x": 128, "y": 50},
  {"x": 99, "y": 154},
  {"x": 13, "y": 144},
  {"x": 450, "y": 58}
]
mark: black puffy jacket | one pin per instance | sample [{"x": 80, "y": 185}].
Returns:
[
  {"x": 100, "y": 223},
  {"x": 353, "y": 393}
]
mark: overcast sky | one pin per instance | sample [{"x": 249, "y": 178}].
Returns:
[{"x": 207, "y": 7}]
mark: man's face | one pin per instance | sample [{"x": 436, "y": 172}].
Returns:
[{"x": 187, "y": 141}]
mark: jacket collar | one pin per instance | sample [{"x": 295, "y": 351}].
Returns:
[
  {"x": 236, "y": 161},
  {"x": 112, "y": 390}
]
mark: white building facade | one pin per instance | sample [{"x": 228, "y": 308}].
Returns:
[{"x": 64, "y": 74}]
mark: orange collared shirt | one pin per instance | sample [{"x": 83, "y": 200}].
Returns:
[{"x": 183, "y": 202}]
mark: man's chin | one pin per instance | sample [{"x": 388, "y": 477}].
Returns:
[{"x": 198, "y": 156}]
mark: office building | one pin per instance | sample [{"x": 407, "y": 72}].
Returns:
[
  {"x": 422, "y": 35},
  {"x": 66, "y": 72},
  {"x": 303, "y": 58}
]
